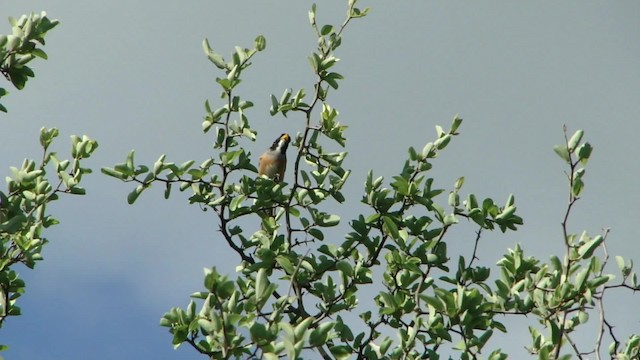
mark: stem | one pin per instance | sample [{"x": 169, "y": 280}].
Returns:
[{"x": 572, "y": 200}]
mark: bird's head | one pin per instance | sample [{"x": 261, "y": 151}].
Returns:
[{"x": 281, "y": 143}]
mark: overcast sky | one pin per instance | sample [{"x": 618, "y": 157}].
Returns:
[{"x": 133, "y": 76}]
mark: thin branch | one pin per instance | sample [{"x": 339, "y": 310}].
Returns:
[
  {"x": 574, "y": 346},
  {"x": 475, "y": 247},
  {"x": 565, "y": 233}
]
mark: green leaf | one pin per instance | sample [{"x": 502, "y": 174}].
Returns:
[
  {"x": 413, "y": 155},
  {"x": 285, "y": 263},
  {"x": 562, "y": 152},
  {"x": 390, "y": 227},
  {"x": 328, "y": 220},
  {"x": 12, "y": 42},
  {"x": 332, "y": 79},
  {"x": 506, "y": 213},
  {"x": 555, "y": 332},
  {"x": 427, "y": 151},
  {"x": 455, "y": 125},
  {"x": 341, "y": 352},
  {"x": 584, "y": 152},
  {"x": 459, "y": 182},
  {"x": 77, "y": 190},
  {"x": 586, "y": 250},
  {"x": 312, "y": 14},
  {"x": 225, "y": 83},
  {"x": 320, "y": 335},
  {"x": 261, "y": 284},
  {"x": 600, "y": 280},
  {"x": 260, "y": 43},
  {"x": 316, "y": 233},
  {"x": 345, "y": 268},
  {"x": 301, "y": 328},
  {"x": 581, "y": 277},
  {"x": 314, "y": 61},
  {"x": 215, "y": 58},
  {"x": 620, "y": 262},
  {"x": 274, "y": 105},
  {"x": 39, "y": 53},
  {"x": 259, "y": 332},
  {"x": 326, "y": 30},
  {"x": 577, "y": 187},
  {"x": 442, "y": 142},
  {"x": 129, "y": 161},
  {"x": 236, "y": 202},
  {"x": 575, "y": 140},
  {"x": 47, "y": 136},
  {"x": 133, "y": 196},
  {"x": 449, "y": 220},
  {"x": 385, "y": 344}
]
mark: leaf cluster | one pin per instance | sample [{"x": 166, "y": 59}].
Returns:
[
  {"x": 23, "y": 210},
  {"x": 21, "y": 46}
]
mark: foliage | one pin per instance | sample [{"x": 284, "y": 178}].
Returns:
[
  {"x": 23, "y": 210},
  {"x": 21, "y": 46},
  {"x": 31, "y": 188},
  {"x": 297, "y": 291}
]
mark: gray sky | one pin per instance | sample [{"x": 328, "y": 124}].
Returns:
[{"x": 133, "y": 76}]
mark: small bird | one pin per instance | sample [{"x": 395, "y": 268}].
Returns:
[{"x": 273, "y": 163}]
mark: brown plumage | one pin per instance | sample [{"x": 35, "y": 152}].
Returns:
[{"x": 273, "y": 163}]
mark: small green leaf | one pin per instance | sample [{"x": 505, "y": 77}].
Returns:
[
  {"x": 261, "y": 283},
  {"x": 129, "y": 162},
  {"x": 413, "y": 155},
  {"x": 285, "y": 263},
  {"x": 584, "y": 152},
  {"x": 459, "y": 182},
  {"x": 575, "y": 140},
  {"x": 301, "y": 328},
  {"x": 236, "y": 202},
  {"x": 455, "y": 125},
  {"x": 577, "y": 187},
  {"x": 320, "y": 335},
  {"x": 215, "y": 58},
  {"x": 345, "y": 268},
  {"x": 562, "y": 152},
  {"x": 314, "y": 61},
  {"x": 326, "y": 30},
  {"x": 316, "y": 233},
  {"x": 620, "y": 262},
  {"x": 427, "y": 151},
  {"x": 328, "y": 220},
  {"x": 312, "y": 14},
  {"x": 167, "y": 190},
  {"x": 586, "y": 250},
  {"x": 390, "y": 227},
  {"x": 112, "y": 172},
  {"x": 133, "y": 196},
  {"x": 341, "y": 352},
  {"x": 449, "y": 220},
  {"x": 332, "y": 78},
  {"x": 260, "y": 43},
  {"x": 442, "y": 142}
]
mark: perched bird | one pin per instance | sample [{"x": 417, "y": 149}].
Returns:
[{"x": 273, "y": 162}]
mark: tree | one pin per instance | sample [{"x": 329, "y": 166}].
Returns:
[
  {"x": 31, "y": 188},
  {"x": 296, "y": 289},
  {"x": 21, "y": 46}
]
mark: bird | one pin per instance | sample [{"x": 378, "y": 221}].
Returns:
[{"x": 273, "y": 162}]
